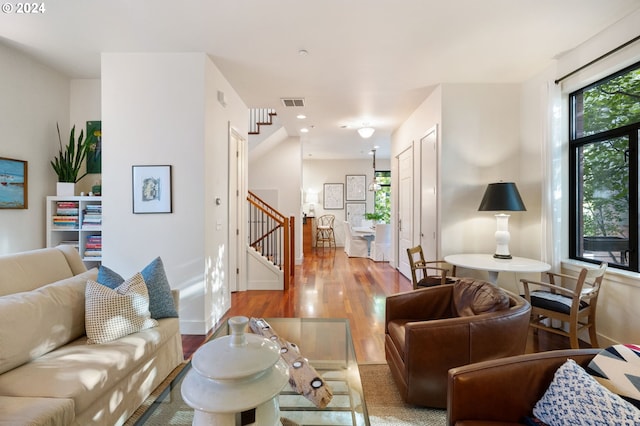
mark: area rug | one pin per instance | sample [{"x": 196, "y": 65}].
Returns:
[{"x": 384, "y": 405}]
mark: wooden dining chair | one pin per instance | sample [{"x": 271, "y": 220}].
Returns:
[
  {"x": 567, "y": 298},
  {"x": 324, "y": 231},
  {"x": 428, "y": 273}
]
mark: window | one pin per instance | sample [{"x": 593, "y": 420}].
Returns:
[
  {"x": 603, "y": 139},
  {"x": 382, "y": 200}
]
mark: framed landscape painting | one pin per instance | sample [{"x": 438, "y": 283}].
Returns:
[
  {"x": 13, "y": 184},
  {"x": 152, "y": 189}
]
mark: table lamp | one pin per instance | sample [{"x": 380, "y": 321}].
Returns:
[
  {"x": 502, "y": 196},
  {"x": 312, "y": 199}
]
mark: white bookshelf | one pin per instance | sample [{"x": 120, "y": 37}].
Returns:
[{"x": 76, "y": 220}]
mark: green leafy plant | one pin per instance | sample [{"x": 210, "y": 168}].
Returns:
[
  {"x": 69, "y": 160},
  {"x": 374, "y": 216}
]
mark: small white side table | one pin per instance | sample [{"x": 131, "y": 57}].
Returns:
[{"x": 486, "y": 262}]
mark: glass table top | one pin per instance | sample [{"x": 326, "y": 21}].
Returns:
[{"x": 326, "y": 344}]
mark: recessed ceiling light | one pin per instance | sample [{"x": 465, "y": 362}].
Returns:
[
  {"x": 303, "y": 52},
  {"x": 301, "y": 116},
  {"x": 304, "y": 130}
]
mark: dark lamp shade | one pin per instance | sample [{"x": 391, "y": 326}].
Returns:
[{"x": 501, "y": 196}]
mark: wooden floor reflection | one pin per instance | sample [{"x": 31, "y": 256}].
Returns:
[{"x": 331, "y": 285}]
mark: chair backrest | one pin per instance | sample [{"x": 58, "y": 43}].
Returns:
[
  {"x": 590, "y": 285},
  {"x": 383, "y": 233},
  {"x": 588, "y": 282},
  {"x": 326, "y": 220},
  {"x": 416, "y": 258},
  {"x": 348, "y": 232}
]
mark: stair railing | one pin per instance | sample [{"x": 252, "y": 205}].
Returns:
[
  {"x": 271, "y": 234},
  {"x": 260, "y": 117}
]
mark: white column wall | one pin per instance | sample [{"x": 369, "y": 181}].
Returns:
[
  {"x": 85, "y": 106},
  {"x": 280, "y": 168},
  {"x": 158, "y": 109}
]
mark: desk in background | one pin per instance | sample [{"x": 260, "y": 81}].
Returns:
[
  {"x": 308, "y": 235},
  {"x": 486, "y": 262}
]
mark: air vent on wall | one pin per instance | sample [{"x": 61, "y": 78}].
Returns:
[{"x": 293, "y": 102}]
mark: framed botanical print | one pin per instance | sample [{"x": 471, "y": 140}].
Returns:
[
  {"x": 151, "y": 189},
  {"x": 333, "y": 198},
  {"x": 356, "y": 187},
  {"x": 354, "y": 213}
]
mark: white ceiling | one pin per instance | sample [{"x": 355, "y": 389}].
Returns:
[{"x": 368, "y": 61}]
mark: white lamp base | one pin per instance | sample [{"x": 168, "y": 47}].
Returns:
[{"x": 502, "y": 237}]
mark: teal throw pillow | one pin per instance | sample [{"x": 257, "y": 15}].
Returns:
[{"x": 160, "y": 298}]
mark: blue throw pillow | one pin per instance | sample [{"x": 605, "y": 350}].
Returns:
[{"x": 160, "y": 298}]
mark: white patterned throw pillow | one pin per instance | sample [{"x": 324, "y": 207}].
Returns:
[
  {"x": 576, "y": 398},
  {"x": 114, "y": 313}
]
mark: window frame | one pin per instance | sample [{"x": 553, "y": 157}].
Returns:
[{"x": 631, "y": 131}]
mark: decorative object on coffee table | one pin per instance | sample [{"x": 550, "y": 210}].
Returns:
[
  {"x": 303, "y": 378},
  {"x": 236, "y": 376}
]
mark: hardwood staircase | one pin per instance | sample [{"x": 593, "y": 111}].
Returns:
[
  {"x": 260, "y": 117},
  {"x": 272, "y": 235}
]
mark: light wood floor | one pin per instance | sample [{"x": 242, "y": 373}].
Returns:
[{"x": 330, "y": 285}]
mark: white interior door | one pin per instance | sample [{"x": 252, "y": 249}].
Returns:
[
  {"x": 429, "y": 194},
  {"x": 237, "y": 256},
  {"x": 405, "y": 210}
]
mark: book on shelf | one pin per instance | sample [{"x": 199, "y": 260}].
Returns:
[
  {"x": 67, "y": 208},
  {"x": 65, "y": 222}
]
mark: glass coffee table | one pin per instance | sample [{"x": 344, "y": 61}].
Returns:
[{"x": 326, "y": 344}]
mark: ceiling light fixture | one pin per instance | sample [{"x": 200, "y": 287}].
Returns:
[
  {"x": 301, "y": 116},
  {"x": 366, "y": 132},
  {"x": 374, "y": 185},
  {"x": 304, "y": 130}
]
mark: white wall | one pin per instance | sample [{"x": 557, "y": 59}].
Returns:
[
  {"x": 34, "y": 98},
  {"x": 479, "y": 145},
  {"x": 618, "y": 317},
  {"x": 85, "y": 106},
  {"x": 279, "y": 170},
  {"x": 318, "y": 172},
  {"x": 158, "y": 109},
  {"x": 478, "y": 133}
]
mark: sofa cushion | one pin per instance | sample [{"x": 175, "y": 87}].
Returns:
[
  {"x": 473, "y": 297},
  {"x": 618, "y": 369},
  {"x": 36, "y": 411},
  {"x": 114, "y": 313},
  {"x": 36, "y": 322},
  {"x": 29, "y": 270},
  {"x": 86, "y": 373},
  {"x": 160, "y": 298},
  {"x": 574, "y": 397}
]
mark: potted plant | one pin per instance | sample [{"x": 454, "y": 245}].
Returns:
[
  {"x": 375, "y": 216},
  {"x": 69, "y": 160}
]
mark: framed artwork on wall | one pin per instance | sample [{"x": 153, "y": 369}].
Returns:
[
  {"x": 356, "y": 187},
  {"x": 13, "y": 184},
  {"x": 151, "y": 189},
  {"x": 333, "y": 198},
  {"x": 94, "y": 155},
  {"x": 355, "y": 213}
]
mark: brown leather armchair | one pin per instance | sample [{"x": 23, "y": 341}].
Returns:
[
  {"x": 504, "y": 391},
  {"x": 425, "y": 336}
]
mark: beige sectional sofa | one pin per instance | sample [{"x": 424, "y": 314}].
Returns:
[{"x": 49, "y": 375}]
